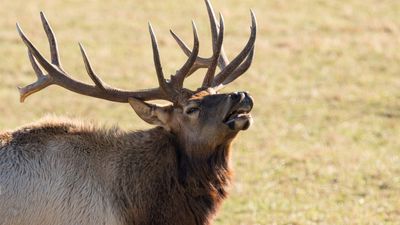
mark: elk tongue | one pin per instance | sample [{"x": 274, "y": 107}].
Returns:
[{"x": 232, "y": 118}]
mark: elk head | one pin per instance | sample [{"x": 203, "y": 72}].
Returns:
[{"x": 202, "y": 116}]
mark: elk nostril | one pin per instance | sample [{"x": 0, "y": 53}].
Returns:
[
  {"x": 235, "y": 96},
  {"x": 248, "y": 99},
  {"x": 238, "y": 96}
]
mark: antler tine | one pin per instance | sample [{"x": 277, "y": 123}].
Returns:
[
  {"x": 156, "y": 57},
  {"x": 202, "y": 62},
  {"x": 213, "y": 23},
  {"x": 39, "y": 73},
  {"x": 208, "y": 79},
  {"x": 182, "y": 73},
  {"x": 223, "y": 60},
  {"x": 96, "y": 80},
  {"x": 42, "y": 81},
  {"x": 55, "y": 59},
  {"x": 186, "y": 50},
  {"x": 227, "y": 71},
  {"x": 32, "y": 49},
  {"x": 241, "y": 69}
]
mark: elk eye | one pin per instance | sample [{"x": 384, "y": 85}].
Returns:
[{"x": 192, "y": 110}]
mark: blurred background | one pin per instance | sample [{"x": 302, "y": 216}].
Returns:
[{"x": 325, "y": 145}]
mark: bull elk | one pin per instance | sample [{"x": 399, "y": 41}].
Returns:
[{"x": 66, "y": 172}]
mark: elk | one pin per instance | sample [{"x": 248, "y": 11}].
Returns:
[{"x": 69, "y": 172}]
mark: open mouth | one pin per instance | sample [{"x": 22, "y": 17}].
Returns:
[
  {"x": 238, "y": 117},
  {"x": 241, "y": 112}
]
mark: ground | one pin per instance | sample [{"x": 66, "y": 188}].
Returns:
[{"x": 325, "y": 146}]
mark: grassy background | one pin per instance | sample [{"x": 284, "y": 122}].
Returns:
[{"x": 325, "y": 146}]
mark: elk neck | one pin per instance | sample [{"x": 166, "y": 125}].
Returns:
[
  {"x": 204, "y": 170},
  {"x": 176, "y": 176}
]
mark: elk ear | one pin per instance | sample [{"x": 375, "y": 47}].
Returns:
[{"x": 151, "y": 113}]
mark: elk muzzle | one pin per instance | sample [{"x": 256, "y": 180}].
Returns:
[{"x": 238, "y": 116}]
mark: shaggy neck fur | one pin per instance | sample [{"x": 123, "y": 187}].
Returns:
[
  {"x": 205, "y": 179},
  {"x": 191, "y": 187}
]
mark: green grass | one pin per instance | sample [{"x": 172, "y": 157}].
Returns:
[{"x": 325, "y": 146}]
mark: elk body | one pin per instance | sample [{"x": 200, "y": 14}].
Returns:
[{"x": 66, "y": 172}]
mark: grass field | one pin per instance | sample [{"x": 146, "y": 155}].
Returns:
[{"x": 325, "y": 145}]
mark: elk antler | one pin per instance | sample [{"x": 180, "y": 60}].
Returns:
[
  {"x": 57, "y": 76},
  {"x": 170, "y": 90},
  {"x": 229, "y": 71}
]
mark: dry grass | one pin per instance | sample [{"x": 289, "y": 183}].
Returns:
[{"x": 325, "y": 148}]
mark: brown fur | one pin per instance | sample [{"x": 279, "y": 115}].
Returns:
[{"x": 144, "y": 177}]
